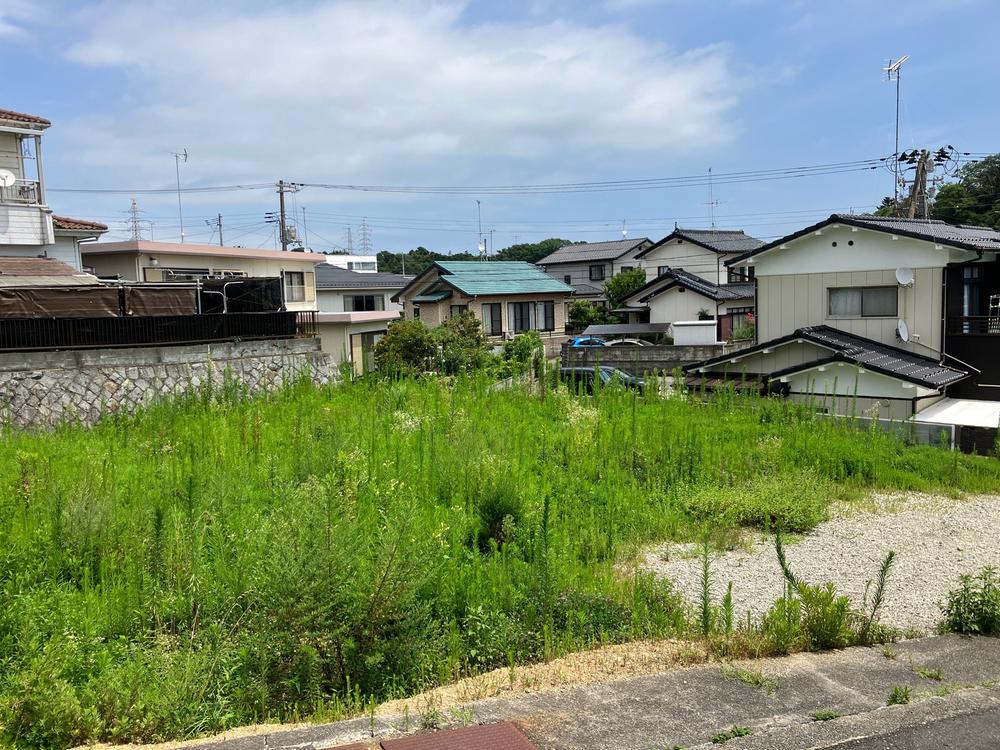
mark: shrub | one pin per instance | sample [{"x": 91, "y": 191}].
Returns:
[
  {"x": 782, "y": 625},
  {"x": 622, "y": 284},
  {"x": 974, "y": 607},
  {"x": 464, "y": 346},
  {"x": 582, "y": 314},
  {"x": 522, "y": 351},
  {"x": 899, "y": 696},
  {"x": 407, "y": 348}
]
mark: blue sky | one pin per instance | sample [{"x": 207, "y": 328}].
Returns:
[{"x": 487, "y": 93}]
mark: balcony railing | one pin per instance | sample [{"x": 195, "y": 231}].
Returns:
[
  {"x": 974, "y": 325},
  {"x": 23, "y": 334},
  {"x": 22, "y": 192}
]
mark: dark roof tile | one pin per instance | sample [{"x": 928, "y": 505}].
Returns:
[
  {"x": 687, "y": 280},
  {"x": 332, "y": 277},
  {"x": 592, "y": 251},
  {"x": 68, "y": 224}
]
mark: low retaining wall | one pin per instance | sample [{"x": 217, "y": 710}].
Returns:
[
  {"x": 637, "y": 360},
  {"x": 39, "y": 389}
]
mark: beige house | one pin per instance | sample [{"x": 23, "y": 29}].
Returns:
[
  {"x": 509, "y": 297},
  {"x": 28, "y": 228},
  {"x": 866, "y": 313},
  {"x": 144, "y": 260}
]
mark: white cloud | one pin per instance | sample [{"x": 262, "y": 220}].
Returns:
[{"x": 384, "y": 91}]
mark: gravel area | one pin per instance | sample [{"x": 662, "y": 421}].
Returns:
[{"x": 936, "y": 540}]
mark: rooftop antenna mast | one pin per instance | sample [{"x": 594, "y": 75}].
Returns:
[
  {"x": 624, "y": 230},
  {"x": 712, "y": 203},
  {"x": 892, "y": 71},
  {"x": 482, "y": 243},
  {"x": 178, "y": 157}
]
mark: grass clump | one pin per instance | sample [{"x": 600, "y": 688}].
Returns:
[
  {"x": 730, "y": 734},
  {"x": 750, "y": 676},
  {"x": 220, "y": 560},
  {"x": 899, "y": 696},
  {"x": 974, "y": 607},
  {"x": 930, "y": 674},
  {"x": 825, "y": 715}
]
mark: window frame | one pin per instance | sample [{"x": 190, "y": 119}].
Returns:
[
  {"x": 603, "y": 272},
  {"x": 492, "y": 312},
  {"x": 454, "y": 310},
  {"x": 294, "y": 292},
  {"x": 548, "y": 315},
  {"x": 377, "y": 302},
  {"x": 861, "y": 290}
]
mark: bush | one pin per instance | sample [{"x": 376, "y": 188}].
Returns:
[
  {"x": 407, "y": 348},
  {"x": 463, "y": 344},
  {"x": 522, "y": 351},
  {"x": 582, "y": 314},
  {"x": 974, "y": 607}
]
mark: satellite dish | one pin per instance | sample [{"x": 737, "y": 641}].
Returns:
[
  {"x": 904, "y": 276},
  {"x": 902, "y": 330},
  {"x": 7, "y": 178}
]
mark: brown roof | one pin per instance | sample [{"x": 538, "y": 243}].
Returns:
[
  {"x": 15, "y": 266},
  {"x": 64, "y": 222},
  {"x": 7, "y": 114}
]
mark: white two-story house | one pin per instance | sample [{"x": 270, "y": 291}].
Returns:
[
  {"x": 586, "y": 266},
  {"x": 688, "y": 279},
  {"x": 28, "y": 229},
  {"x": 869, "y": 313}
]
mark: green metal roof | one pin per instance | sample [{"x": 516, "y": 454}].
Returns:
[
  {"x": 476, "y": 278},
  {"x": 432, "y": 296}
]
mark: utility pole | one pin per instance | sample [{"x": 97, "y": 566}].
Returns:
[
  {"x": 216, "y": 223},
  {"x": 894, "y": 68},
  {"x": 219, "y": 224},
  {"x": 492, "y": 250},
  {"x": 281, "y": 218},
  {"x": 305, "y": 230},
  {"x": 918, "y": 192},
  {"x": 183, "y": 155}
]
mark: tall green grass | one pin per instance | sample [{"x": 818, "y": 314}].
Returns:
[{"x": 220, "y": 561}]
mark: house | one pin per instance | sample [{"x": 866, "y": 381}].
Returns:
[
  {"x": 355, "y": 309},
  {"x": 27, "y": 226},
  {"x": 859, "y": 313},
  {"x": 507, "y": 296},
  {"x": 701, "y": 252},
  {"x": 340, "y": 290},
  {"x": 687, "y": 279},
  {"x": 677, "y": 295},
  {"x": 148, "y": 261},
  {"x": 358, "y": 263},
  {"x": 586, "y": 267}
]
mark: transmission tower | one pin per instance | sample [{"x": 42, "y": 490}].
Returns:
[
  {"x": 350, "y": 242},
  {"x": 135, "y": 223},
  {"x": 365, "y": 237}
]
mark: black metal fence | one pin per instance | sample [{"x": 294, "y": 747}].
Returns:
[
  {"x": 22, "y": 334},
  {"x": 974, "y": 325}
]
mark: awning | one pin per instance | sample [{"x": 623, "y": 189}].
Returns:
[
  {"x": 626, "y": 329},
  {"x": 432, "y": 297},
  {"x": 962, "y": 411}
]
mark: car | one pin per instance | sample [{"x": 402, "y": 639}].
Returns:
[
  {"x": 583, "y": 378},
  {"x": 627, "y": 342},
  {"x": 583, "y": 342}
]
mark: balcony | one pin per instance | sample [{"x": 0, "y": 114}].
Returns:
[
  {"x": 974, "y": 325},
  {"x": 22, "y": 193}
]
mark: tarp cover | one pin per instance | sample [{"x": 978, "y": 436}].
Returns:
[
  {"x": 152, "y": 301},
  {"x": 242, "y": 295},
  {"x": 59, "y": 302}
]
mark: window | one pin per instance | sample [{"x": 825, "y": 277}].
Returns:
[
  {"x": 625, "y": 269},
  {"x": 520, "y": 314},
  {"x": 492, "y": 321},
  {"x": 361, "y": 265},
  {"x": 567, "y": 279},
  {"x": 738, "y": 316},
  {"x": 547, "y": 316},
  {"x": 740, "y": 274},
  {"x": 416, "y": 312},
  {"x": 597, "y": 273},
  {"x": 364, "y": 302},
  {"x": 660, "y": 270},
  {"x": 863, "y": 302},
  {"x": 295, "y": 286},
  {"x": 458, "y": 309}
]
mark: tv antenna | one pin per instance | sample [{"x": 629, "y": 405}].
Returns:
[
  {"x": 892, "y": 72},
  {"x": 481, "y": 246},
  {"x": 178, "y": 157},
  {"x": 712, "y": 203},
  {"x": 624, "y": 230}
]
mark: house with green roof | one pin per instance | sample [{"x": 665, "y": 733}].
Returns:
[{"x": 509, "y": 297}]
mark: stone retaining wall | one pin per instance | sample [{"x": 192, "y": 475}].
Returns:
[{"x": 41, "y": 389}]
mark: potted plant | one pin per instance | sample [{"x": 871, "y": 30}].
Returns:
[{"x": 704, "y": 314}]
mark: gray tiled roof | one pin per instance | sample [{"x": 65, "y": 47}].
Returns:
[
  {"x": 331, "y": 277},
  {"x": 720, "y": 240},
  {"x": 688, "y": 280},
  {"x": 935, "y": 230},
  {"x": 591, "y": 251},
  {"x": 931, "y": 230},
  {"x": 847, "y": 347},
  {"x": 588, "y": 290}
]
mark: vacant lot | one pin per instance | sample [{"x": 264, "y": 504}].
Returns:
[{"x": 223, "y": 561}]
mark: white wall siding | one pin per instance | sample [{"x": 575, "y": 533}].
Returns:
[
  {"x": 24, "y": 225},
  {"x": 692, "y": 258}
]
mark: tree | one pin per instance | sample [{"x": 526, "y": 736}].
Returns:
[
  {"x": 407, "y": 348},
  {"x": 464, "y": 346},
  {"x": 415, "y": 261},
  {"x": 621, "y": 285},
  {"x": 532, "y": 252},
  {"x": 583, "y": 313},
  {"x": 974, "y": 198}
]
